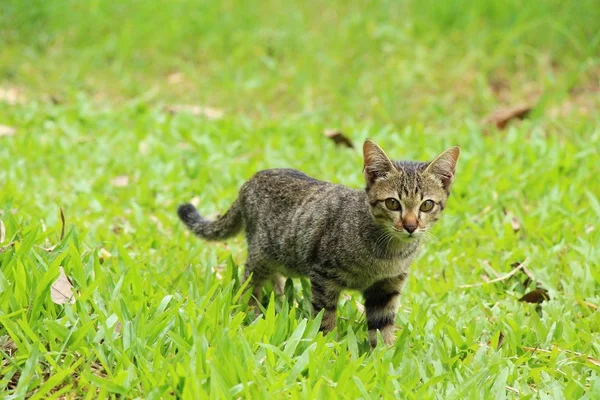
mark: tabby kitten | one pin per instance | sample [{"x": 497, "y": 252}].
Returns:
[{"x": 340, "y": 238}]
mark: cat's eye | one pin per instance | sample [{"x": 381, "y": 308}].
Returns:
[
  {"x": 427, "y": 206},
  {"x": 392, "y": 204}
]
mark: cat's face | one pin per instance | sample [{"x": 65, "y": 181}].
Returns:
[{"x": 407, "y": 198}]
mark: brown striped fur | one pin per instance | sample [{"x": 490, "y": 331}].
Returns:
[{"x": 340, "y": 238}]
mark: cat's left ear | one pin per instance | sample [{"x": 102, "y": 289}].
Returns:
[{"x": 443, "y": 166}]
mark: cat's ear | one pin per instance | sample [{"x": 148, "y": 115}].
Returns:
[
  {"x": 443, "y": 166},
  {"x": 377, "y": 164}
]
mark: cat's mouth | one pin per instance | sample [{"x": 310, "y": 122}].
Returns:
[{"x": 406, "y": 236}]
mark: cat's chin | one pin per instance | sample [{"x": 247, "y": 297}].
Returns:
[{"x": 408, "y": 238}]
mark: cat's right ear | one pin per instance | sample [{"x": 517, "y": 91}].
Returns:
[{"x": 377, "y": 163}]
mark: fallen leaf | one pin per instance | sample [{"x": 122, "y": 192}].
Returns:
[
  {"x": 61, "y": 290},
  {"x": 515, "y": 224},
  {"x": 2, "y": 231},
  {"x": 56, "y": 99},
  {"x": 103, "y": 255},
  {"x": 359, "y": 307},
  {"x": 118, "y": 327},
  {"x": 6, "y": 247},
  {"x": 501, "y": 117},
  {"x": 338, "y": 138},
  {"x": 183, "y": 146},
  {"x": 479, "y": 216},
  {"x": 536, "y": 296},
  {"x": 175, "y": 78},
  {"x": 512, "y": 389},
  {"x": 500, "y": 87},
  {"x": 207, "y": 112},
  {"x": 500, "y": 340},
  {"x": 10, "y": 96},
  {"x": 62, "y": 224},
  {"x": 143, "y": 148},
  {"x": 6, "y": 130},
  {"x": 155, "y": 219},
  {"x": 195, "y": 201},
  {"x": 7, "y": 344},
  {"x": 120, "y": 181}
]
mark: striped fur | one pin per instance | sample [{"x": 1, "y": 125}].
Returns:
[{"x": 340, "y": 238}]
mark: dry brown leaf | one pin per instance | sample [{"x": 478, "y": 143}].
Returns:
[
  {"x": 512, "y": 389},
  {"x": 62, "y": 224},
  {"x": 2, "y": 232},
  {"x": 207, "y": 112},
  {"x": 10, "y": 96},
  {"x": 536, "y": 296},
  {"x": 103, "y": 255},
  {"x": 500, "y": 340},
  {"x": 120, "y": 181},
  {"x": 6, "y": 130},
  {"x": 61, "y": 290},
  {"x": 479, "y": 216},
  {"x": 515, "y": 224},
  {"x": 7, "y": 344},
  {"x": 6, "y": 247},
  {"x": 195, "y": 201},
  {"x": 143, "y": 148},
  {"x": 501, "y": 117},
  {"x": 183, "y": 146},
  {"x": 500, "y": 87},
  {"x": 155, "y": 219},
  {"x": 175, "y": 78},
  {"x": 359, "y": 307},
  {"x": 338, "y": 138}
]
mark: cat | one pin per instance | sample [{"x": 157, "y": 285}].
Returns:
[{"x": 338, "y": 237}]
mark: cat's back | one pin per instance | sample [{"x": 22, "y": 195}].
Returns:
[
  {"x": 283, "y": 191},
  {"x": 282, "y": 181}
]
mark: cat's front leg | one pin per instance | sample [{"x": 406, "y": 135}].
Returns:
[
  {"x": 381, "y": 305},
  {"x": 325, "y": 295}
]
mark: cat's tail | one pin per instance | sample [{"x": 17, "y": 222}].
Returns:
[{"x": 225, "y": 226}]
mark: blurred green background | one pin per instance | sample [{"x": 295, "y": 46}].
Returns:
[{"x": 393, "y": 61}]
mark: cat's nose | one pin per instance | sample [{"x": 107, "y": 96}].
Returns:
[{"x": 410, "y": 228}]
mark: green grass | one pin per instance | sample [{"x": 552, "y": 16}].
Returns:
[{"x": 158, "y": 313}]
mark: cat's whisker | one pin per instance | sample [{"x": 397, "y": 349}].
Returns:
[
  {"x": 430, "y": 236},
  {"x": 381, "y": 239},
  {"x": 391, "y": 237},
  {"x": 386, "y": 237}
]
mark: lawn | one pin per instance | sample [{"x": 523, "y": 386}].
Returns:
[{"x": 113, "y": 113}]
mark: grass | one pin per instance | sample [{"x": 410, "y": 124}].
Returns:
[{"x": 158, "y": 314}]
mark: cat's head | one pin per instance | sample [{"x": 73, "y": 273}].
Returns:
[{"x": 407, "y": 198}]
